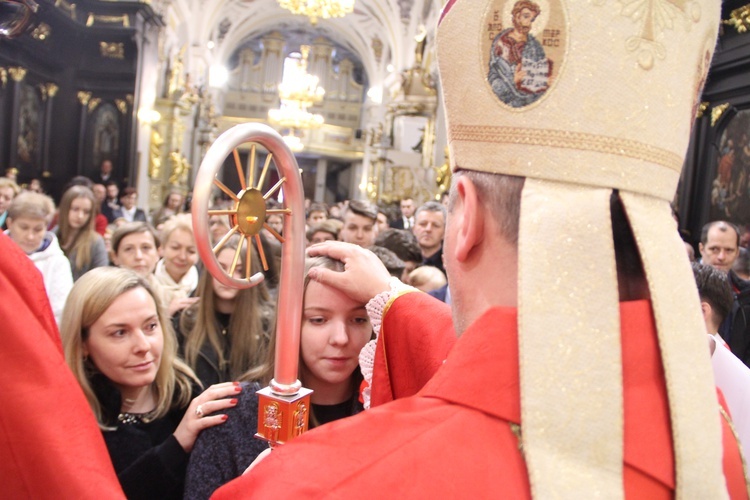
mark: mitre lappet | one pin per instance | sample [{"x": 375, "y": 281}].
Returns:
[{"x": 582, "y": 98}]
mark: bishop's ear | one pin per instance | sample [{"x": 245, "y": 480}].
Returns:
[{"x": 468, "y": 217}]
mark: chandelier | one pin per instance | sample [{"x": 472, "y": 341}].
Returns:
[
  {"x": 318, "y": 9},
  {"x": 298, "y": 91}
]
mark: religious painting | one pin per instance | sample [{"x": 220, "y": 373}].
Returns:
[
  {"x": 29, "y": 126},
  {"x": 730, "y": 189},
  {"x": 106, "y": 133},
  {"x": 523, "y": 43}
]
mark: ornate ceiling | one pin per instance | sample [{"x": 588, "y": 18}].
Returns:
[{"x": 379, "y": 33}]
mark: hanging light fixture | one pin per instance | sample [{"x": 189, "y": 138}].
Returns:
[
  {"x": 298, "y": 91},
  {"x": 318, "y": 9}
]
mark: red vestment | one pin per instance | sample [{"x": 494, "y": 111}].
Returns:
[
  {"x": 50, "y": 443},
  {"x": 454, "y": 439}
]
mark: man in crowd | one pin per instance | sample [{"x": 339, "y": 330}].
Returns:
[
  {"x": 719, "y": 245},
  {"x": 429, "y": 229},
  {"x": 105, "y": 174},
  {"x": 360, "y": 218},
  {"x": 557, "y": 383},
  {"x": 111, "y": 203},
  {"x": 719, "y": 248},
  {"x": 406, "y": 221},
  {"x": 316, "y": 214},
  {"x": 128, "y": 210}
]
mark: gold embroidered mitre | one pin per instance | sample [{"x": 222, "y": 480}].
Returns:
[{"x": 582, "y": 98}]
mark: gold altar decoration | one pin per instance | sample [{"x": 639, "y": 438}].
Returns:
[
  {"x": 112, "y": 50},
  {"x": 122, "y": 20},
  {"x": 739, "y": 19},
  {"x": 70, "y": 8},
  {"x": 17, "y": 73},
  {"x": 154, "y": 155},
  {"x": 318, "y": 9},
  {"x": 179, "y": 167},
  {"x": 717, "y": 112},
  {"x": 83, "y": 97}
]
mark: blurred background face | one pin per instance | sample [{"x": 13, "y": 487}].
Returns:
[
  {"x": 218, "y": 226},
  {"x": 174, "y": 202},
  {"x": 27, "y": 232},
  {"x": 382, "y": 222},
  {"x": 429, "y": 228},
  {"x": 407, "y": 207},
  {"x": 225, "y": 295},
  {"x": 100, "y": 192},
  {"x": 79, "y": 213},
  {"x": 358, "y": 229},
  {"x": 128, "y": 201},
  {"x": 321, "y": 236},
  {"x": 112, "y": 191},
  {"x": 180, "y": 254},
  {"x": 6, "y": 196},
  {"x": 276, "y": 222},
  {"x": 316, "y": 218},
  {"x": 137, "y": 252}
]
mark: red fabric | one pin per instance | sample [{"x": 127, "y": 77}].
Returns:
[
  {"x": 101, "y": 224},
  {"x": 419, "y": 353},
  {"x": 50, "y": 444},
  {"x": 453, "y": 439}
]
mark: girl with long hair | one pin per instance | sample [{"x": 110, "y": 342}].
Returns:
[
  {"x": 226, "y": 333},
  {"x": 334, "y": 330},
  {"x": 76, "y": 231},
  {"x": 120, "y": 347}
]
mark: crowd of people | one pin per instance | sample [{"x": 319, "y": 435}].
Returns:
[{"x": 151, "y": 337}]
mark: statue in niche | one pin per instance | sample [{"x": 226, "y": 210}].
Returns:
[
  {"x": 154, "y": 153},
  {"x": 180, "y": 167}
]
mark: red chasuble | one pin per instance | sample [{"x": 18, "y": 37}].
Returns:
[
  {"x": 458, "y": 436},
  {"x": 50, "y": 444}
]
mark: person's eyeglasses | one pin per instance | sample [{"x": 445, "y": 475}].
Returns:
[{"x": 16, "y": 17}]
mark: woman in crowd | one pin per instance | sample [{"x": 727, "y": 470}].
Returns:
[
  {"x": 76, "y": 231},
  {"x": 226, "y": 333},
  {"x": 124, "y": 355},
  {"x": 134, "y": 246},
  {"x": 28, "y": 218},
  {"x": 176, "y": 271},
  {"x": 8, "y": 191},
  {"x": 172, "y": 206},
  {"x": 334, "y": 330}
]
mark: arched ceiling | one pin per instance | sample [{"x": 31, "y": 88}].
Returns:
[{"x": 379, "y": 32}]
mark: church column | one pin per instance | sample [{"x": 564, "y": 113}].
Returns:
[
  {"x": 84, "y": 98},
  {"x": 320, "y": 180},
  {"x": 17, "y": 75},
  {"x": 49, "y": 91}
]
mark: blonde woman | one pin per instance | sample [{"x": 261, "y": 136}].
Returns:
[
  {"x": 122, "y": 351},
  {"x": 176, "y": 271},
  {"x": 76, "y": 231}
]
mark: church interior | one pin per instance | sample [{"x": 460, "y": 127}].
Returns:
[{"x": 351, "y": 85}]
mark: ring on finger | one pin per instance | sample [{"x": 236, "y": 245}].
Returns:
[{"x": 199, "y": 411}]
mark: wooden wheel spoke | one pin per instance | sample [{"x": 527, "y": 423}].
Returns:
[
  {"x": 235, "y": 260},
  {"x": 228, "y": 191},
  {"x": 238, "y": 165},
  {"x": 274, "y": 188},
  {"x": 265, "y": 171},
  {"x": 248, "y": 257},
  {"x": 286, "y": 211},
  {"x": 222, "y": 212},
  {"x": 224, "y": 240},
  {"x": 273, "y": 232},
  {"x": 261, "y": 253},
  {"x": 251, "y": 166}
]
